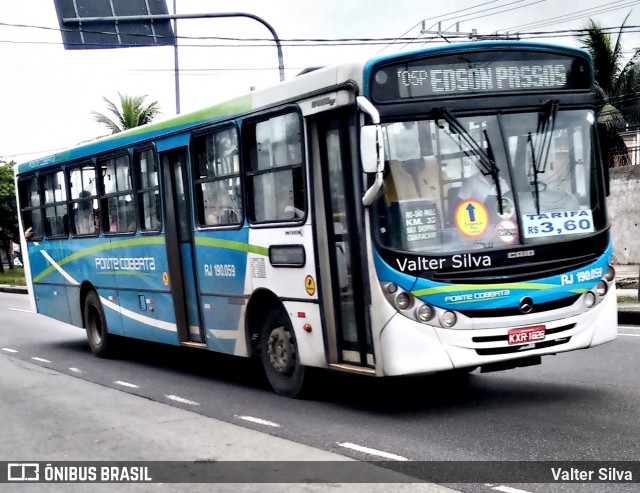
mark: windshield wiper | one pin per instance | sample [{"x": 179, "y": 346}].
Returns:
[
  {"x": 540, "y": 155},
  {"x": 486, "y": 159}
]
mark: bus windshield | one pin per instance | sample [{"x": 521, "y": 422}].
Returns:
[{"x": 490, "y": 181}]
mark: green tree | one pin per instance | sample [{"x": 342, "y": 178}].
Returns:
[
  {"x": 8, "y": 211},
  {"x": 131, "y": 113},
  {"x": 617, "y": 83}
]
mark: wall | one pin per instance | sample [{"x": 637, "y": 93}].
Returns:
[{"x": 624, "y": 214}]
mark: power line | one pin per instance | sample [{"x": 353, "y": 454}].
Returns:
[
  {"x": 304, "y": 42},
  {"x": 573, "y": 15},
  {"x": 319, "y": 42},
  {"x": 442, "y": 33},
  {"x": 485, "y": 11},
  {"x": 435, "y": 17}
]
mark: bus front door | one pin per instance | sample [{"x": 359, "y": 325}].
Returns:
[
  {"x": 342, "y": 261},
  {"x": 179, "y": 240}
]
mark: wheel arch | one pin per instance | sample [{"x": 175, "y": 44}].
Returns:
[{"x": 261, "y": 302}]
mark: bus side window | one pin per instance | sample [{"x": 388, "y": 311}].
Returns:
[
  {"x": 84, "y": 200},
  {"x": 275, "y": 169},
  {"x": 216, "y": 168},
  {"x": 148, "y": 192},
  {"x": 30, "y": 204},
  {"x": 118, "y": 207},
  {"x": 55, "y": 200}
]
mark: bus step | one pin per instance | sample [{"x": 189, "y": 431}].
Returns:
[
  {"x": 197, "y": 345},
  {"x": 352, "y": 368}
]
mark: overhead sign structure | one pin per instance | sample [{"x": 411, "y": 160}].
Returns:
[{"x": 113, "y": 33}]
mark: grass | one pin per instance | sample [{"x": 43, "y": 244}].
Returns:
[
  {"x": 627, "y": 299},
  {"x": 13, "y": 277}
]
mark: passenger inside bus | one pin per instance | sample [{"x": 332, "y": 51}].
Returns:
[
  {"x": 122, "y": 216},
  {"x": 85, "y": 219},
  {"x": 219, "y": 208},
  {"x": 413, "y": 179}
]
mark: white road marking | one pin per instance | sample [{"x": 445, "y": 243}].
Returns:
[
  {"x": 372, "y": 451},
  {"x": 42, "y": 360},
  {"x": 76, "y": 370},
  {"x": 127, "y": 384},
  {"x": 9, "y": 350},
  {"x": 20, "y": 310},
  {"x": 182, "y": 399},
  {"x": 509, "y": 489},
  {"x": 628, "y": 327},
  {"x": 259, "y": 421},
  {"x": 630, "y": 335}
]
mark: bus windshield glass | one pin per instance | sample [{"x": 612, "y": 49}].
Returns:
[{"x": 491, "y": 181}]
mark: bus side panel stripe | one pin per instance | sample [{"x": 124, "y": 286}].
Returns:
[{"x": 105, "y": 302}]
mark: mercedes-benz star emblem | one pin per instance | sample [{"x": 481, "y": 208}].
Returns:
[{"x": 526, "y": 305}]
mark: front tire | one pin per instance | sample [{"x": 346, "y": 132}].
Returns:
[
  {"x": 100, "y": 341},
  {"x": 279, "y": 353}
]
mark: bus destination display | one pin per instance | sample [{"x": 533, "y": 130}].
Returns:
[{"x": 443, "y": 77}]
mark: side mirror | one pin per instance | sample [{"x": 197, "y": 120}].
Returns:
[{"x": 369, "y": 148}]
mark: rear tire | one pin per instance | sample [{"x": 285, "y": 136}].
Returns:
[
  {"x": 100, "y": 341},
  {"x": 279, "y": 353}
]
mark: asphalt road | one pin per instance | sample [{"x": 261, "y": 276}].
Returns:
[{"x": 576, "y": 406}]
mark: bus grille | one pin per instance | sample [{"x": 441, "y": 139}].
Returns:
[
  {"x": 505, "y": 337},
  {"x": 521, "y": 349},
  {"x": 508, "y": 312}
]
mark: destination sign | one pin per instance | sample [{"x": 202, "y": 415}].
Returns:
[
  {"x": 417, "y": 221},
  {"x": 466, "y": 74}
]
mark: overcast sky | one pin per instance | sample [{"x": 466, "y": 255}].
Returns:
[{"x": 47, "y": 94}]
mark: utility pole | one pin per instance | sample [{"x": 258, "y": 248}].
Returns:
[{"x": 175, "y": 59}]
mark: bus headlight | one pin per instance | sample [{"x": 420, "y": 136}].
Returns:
[
  {"x": 589, "y": 299},
  {"x": 403, "y": 301},
  {"x": 424, "y": 313},
  {"x": 609, "y": 274},
  {"x": 391, "y": 287},
  {"x": 601, "y": 288},
  {"x": 448, "y": 319}
]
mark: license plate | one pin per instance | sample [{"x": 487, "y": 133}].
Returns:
[{"x": 526, "y": 335}]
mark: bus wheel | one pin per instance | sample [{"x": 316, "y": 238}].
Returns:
[
  {"x": 100, "y": 341},
  {"x": 280, "y": 354}
]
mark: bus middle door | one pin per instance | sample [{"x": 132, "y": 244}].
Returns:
[{"x": 179, "y": 240}]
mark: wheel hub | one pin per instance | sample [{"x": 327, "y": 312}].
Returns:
[{"x": 281, "y": 350}]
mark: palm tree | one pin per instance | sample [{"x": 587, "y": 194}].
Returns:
[
  {"x": 132, "y": 113},
  {"x": 617, "y": 84}
]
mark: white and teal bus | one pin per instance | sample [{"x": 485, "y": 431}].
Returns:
[{"x": 421, "y": 212}]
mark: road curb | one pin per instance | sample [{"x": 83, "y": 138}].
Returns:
[
  {"x": 629, "y": 318},
  {"x": 14, "y": 289}
]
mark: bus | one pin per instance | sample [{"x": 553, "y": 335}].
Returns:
[{"x": 439, "y": 210}]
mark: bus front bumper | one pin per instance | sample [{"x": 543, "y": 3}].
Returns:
[{"x": 408, "y": 347}]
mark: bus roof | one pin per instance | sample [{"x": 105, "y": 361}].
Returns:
[{"x": 315, "y": 80}]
